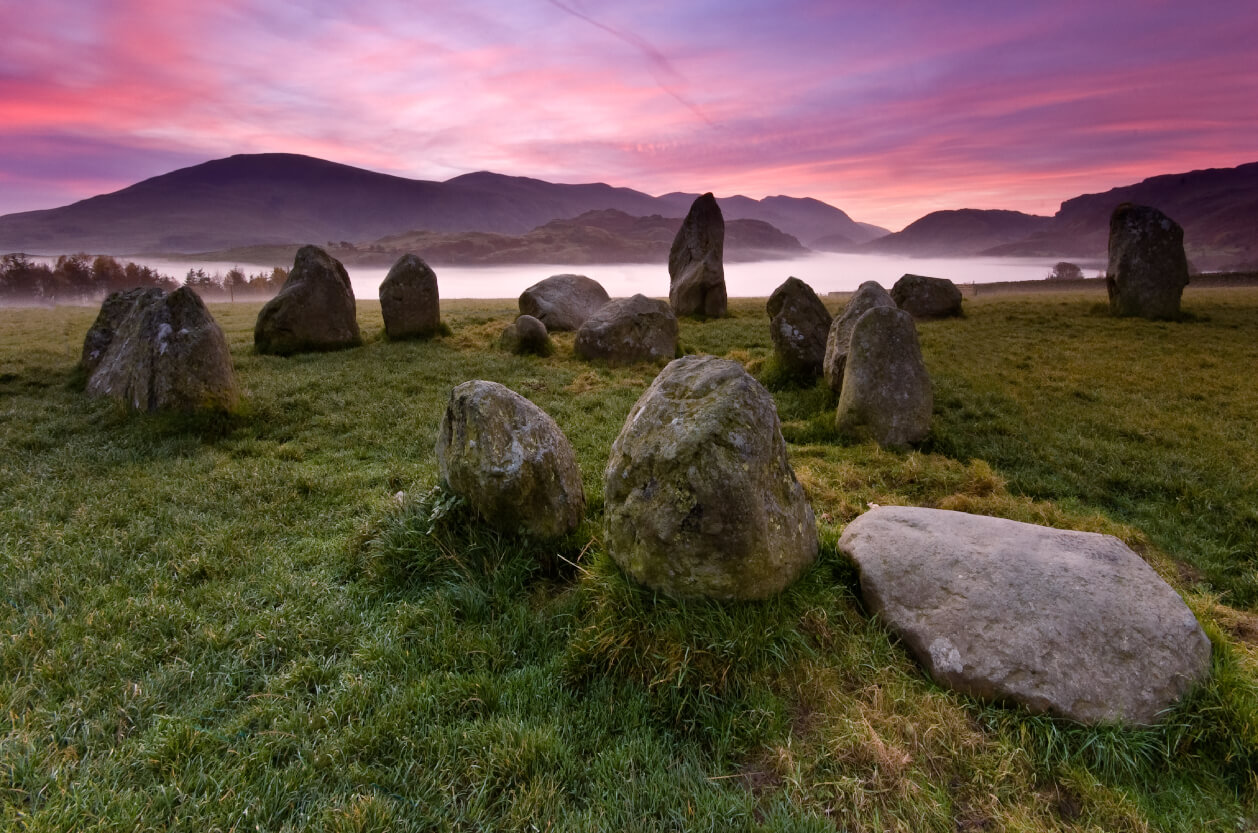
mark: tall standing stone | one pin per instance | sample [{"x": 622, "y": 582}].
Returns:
[
  {"x": 1147, "y": 267},
  {"x": 886, "y": 390},
  {"x": 700, "y": 497},
  {"x": 167, "y": 353},
  {"x": 869, "y": 295},
  {"x": 696, "y": 267},
  {"x": 409, "y": 301},
  {"x": 313, "y": 311},
  {"x": 510, "y": 461},
  {"x": 798, "y": 325}
]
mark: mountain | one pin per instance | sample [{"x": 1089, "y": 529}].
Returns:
[
  {"x": 277, "y": 198},
  {"x": 604, "y": 236},
  {"x": 1217, "y": 207},
  {"x": 958, "y": 233}
]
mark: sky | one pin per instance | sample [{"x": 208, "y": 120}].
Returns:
[{"x": 888, "y": 110}]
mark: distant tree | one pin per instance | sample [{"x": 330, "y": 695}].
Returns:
[
  {"x": 108, "y": 274},
  {"x": 21, "y": 279},
  {"x": 71, "y": 278},
  {"x": 1065, "y": 271},
  {"x": 234, "y": 280},
  {"x": 137, "y": 275}
]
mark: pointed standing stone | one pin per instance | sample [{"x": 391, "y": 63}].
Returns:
[
  {"x": 886, "y": 390},
  {"x": 313, "y": 311},
  {"x": 696, "y": 267}
]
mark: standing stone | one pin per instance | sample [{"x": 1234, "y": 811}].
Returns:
[
  {"x": 886, "y": 389},
  {"x": 869, "y": 295},
  {"x": 798, "y": 325},
  {"x": 628, "y": 330},
  {"x": 696, "y": 267},
  {"x": 510, "y": 461},
  {"x": 563, "y": 302},
  {"x": 1147, "y": 267},
  {"x": 313, "y": 311},
  {"x": 1074, "y": 624},
  {"x": 167, "y": 354},
  {"x": 925, "y": 298},
  {"x": 408, "y": 300},
  {"x": 700, "y": 498},
  {"x": 526, "y": 335},
  {"x": 113, "y": 311}
]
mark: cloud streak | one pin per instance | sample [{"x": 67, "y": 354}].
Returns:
[{"x": 885, "y": 110}]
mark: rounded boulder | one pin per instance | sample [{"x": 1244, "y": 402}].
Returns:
[
  {"x": 925, "y": 298},
  {"x": 409, "y": 302},
  {"x": 629, "y": 330},
  {"x": 313, "y": 311},
  {"x": 563, "y": 302},
  {"x": 798, "y": 325},
  {"x": 700, "y": 499}
]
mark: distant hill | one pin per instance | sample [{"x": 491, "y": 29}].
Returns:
[
  {"x": 1218, "y": 209},
  {"x": 281, "y": 199},
  {"x": 605, "y": 236},
  {"x": 957, "y": 233}
]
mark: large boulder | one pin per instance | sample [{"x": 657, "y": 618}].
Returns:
[
  {"x": 314, "y": 310},
  {"x": 700, "y": 498},
  {"x": 167, "y": 353},
  {"x": 113, "y": 311},
  {"x": 526, "y": 335},
  {"x": 798, "y": 325},
  {"x": 696, "y": 268},
  {"x": 1074, "y": 624},
  {"x": 1147, "y": 267},
  {"x": 925, "y": 298},
  {"x": 563, "y": 302},
  {"x": 510, "y": 461},
  {"x": 409, "y": 301},
  {"x": 869, "y": 295},
  {"x": 628, "y": 330},
  {"x": 886, "y": 392}
]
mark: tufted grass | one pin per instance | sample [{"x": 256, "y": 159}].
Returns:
[{"x": 239, "y": 623}]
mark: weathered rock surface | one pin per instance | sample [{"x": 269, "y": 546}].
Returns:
[
  {"x": 526, "y": 335},
  {"x": 1074, "y": 624},
  {"x": 870, "y": 294},
  {"x": 563, "y": 302},
  {"x": 409, "y": 301},
  {"x": 700, "y": 497},
  {"x": 798, "y": 325},
  {"x": 924, "y": 298},
  {"x": 167, "y": 353},
  {"x": 113, "y": 311},
  {"x": 628, "y": 330},
  {"x": 1147, "y": 267},
  {"x": 510, "y": 461},
  {"x": 886, "y": 390},
  {"x": 696, "y": 267},
  {"x": 313, "y": 311}
]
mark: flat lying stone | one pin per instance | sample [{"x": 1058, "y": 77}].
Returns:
[{"x": 1073, "y": 624}]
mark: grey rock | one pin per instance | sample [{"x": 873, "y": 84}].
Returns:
[
  {"x": 563, "y": 302},
  {"x": 314, "y": 310},
  {"x": 526, "y": 335},
  {"x": 1073, "y": 624},
  {"x": 925, "y": 298},
  {"x": 628, "y": 330},
  {"x": 869, "y": 295},
  {"x": 700, "y": 497},
  {"x": 113, "y": 311},
  {"x": 798, "y": 325},
  {"x": 696, "y": 267},
  {"x": 409, "y": 300},
  {"x": 167, "y": 354},
  {"x": 1147, "y": 267},
  {"x": 510, "y": 461},
  {"x": 886, "y": 392}
]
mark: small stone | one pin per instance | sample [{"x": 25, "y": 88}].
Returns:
[
  {"x": 510, "y": 461},
  {"x": 526, "y": 335},
  {"x": 563, "y": 302},
  {"x": 886, "y": 393},
  {"x": 409, "y": 302},
  {"x": 925, "y": 298}
]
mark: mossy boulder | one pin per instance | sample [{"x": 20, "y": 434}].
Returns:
[
  {"x": 925, "y": 298},
  {"x": 700, "y": 497},
  {"x": 113, "y": 311},
  {"x": 526, "y": 335},
  {"x": 167, "y": 353},
  {"x": 629, "y": 330},
  {"x": 563, "y": 302},
  {"x": 887, "y": 393},
  {"x": 509, "y": 460},
  {"x": 409, "y": 301},
  {"x": 798, "y": 325},
  {"x": 314, "y": 310}
]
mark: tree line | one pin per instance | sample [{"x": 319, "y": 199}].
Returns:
[{"x": 81, "y": 277}]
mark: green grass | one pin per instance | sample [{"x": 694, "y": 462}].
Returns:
[{"x": 236, "y": 623}]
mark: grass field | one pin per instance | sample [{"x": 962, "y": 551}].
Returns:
[{"x": 237, "y": 623}]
